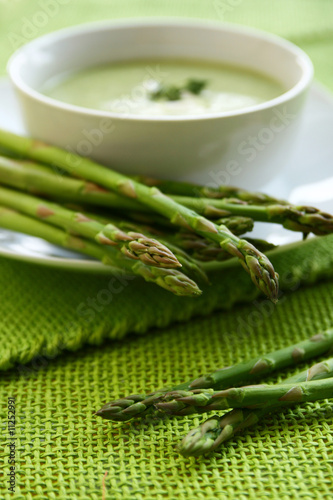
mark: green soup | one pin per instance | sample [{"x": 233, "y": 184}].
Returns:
[{"x": 132, "y": 87}]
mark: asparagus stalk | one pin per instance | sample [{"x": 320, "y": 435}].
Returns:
[
  {"x": 133, "y": 245},
  {"x": 204, "y": 250},
  {"x": 139, "y": 242},
  {"x": 295, "y": 218},
  {"x": 216, "y": 430},
  {"x": 254, "y": 262},
  {"x": 249, "y": 371},
  {"x": 237, "y": 224},
  {"x": 263, "y": 245},
  {"x": 15, "y": 221},
  {"x": 38, "y": 179},
  {"x": 199, "y": 247},
  {"x": 9, "y": 154},
  {"x": 195, "y": 190},
  {"x": 256, "y": 396},
  {"x": 189, "y": 265},
  {"x": 170, "y": 279}
]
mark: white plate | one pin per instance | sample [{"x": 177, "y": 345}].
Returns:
[{"x": 307, "y": 180}]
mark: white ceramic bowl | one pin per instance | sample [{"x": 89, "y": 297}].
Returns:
[{"x": 245, "y": 147}]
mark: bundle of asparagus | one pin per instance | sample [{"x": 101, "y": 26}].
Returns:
[
  {"x": 172, "y": 234},
  {"x": 251, "y": 403},
  {"x": 210, "y": 221},
  {"x": 217, "y": 430}
]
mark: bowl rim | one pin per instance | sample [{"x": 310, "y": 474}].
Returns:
[{"x": 16, "y": 58}]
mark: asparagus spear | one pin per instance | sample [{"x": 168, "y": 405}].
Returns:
[
  {"x": 36, "y": 178},
  {"x": 295, "y": 218},
  {"x": 254, "y": 262},
  {"x": 15, "y": 221},
  {"x": 249, "y": 371},
  {"x": 204, "y": 250},
  {"x": 263, "y": 245},
  {"x": 170, "y": 279},
  {"x": 199, "y": 247},
  {"x": 237, "y": 224},
  {"x": 195, "y": 190},
  {"x": 133, "y": 245},
  {"x": 216, "y": 430},
  {"x": 136, "y": 245},
  {"x": 189, "y": 266},
  {"x": 255, "y": 396},
  {"x": 138, "y": 242}
]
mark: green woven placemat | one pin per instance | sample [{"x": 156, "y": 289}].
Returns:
[
  {"x": 47, "y": 311},
  {"x": 62, "y": 450}
]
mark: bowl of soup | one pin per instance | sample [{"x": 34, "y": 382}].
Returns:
[{"x": 169, "y": 98}]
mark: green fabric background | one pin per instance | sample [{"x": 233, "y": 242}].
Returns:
[
  {"x": 309, "y": 23},
  {"x": 62, "y": 450}
]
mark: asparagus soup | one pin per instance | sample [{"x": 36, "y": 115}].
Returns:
[{"x": 167, "y": 87}]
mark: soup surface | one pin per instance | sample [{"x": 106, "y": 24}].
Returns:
[{"x": 167, "y": 87}]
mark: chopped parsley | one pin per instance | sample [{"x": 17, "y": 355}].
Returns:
[
  {"x": 195, "y": 86},
  {"x": 174, "y": 93}
]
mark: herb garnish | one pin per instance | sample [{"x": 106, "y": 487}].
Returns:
[
  {"x": 195, "y": 86},
  {"x": 174, "y": 93}
]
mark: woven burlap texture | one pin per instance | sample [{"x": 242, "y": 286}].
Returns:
[{"x": 63, "y": 450}]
